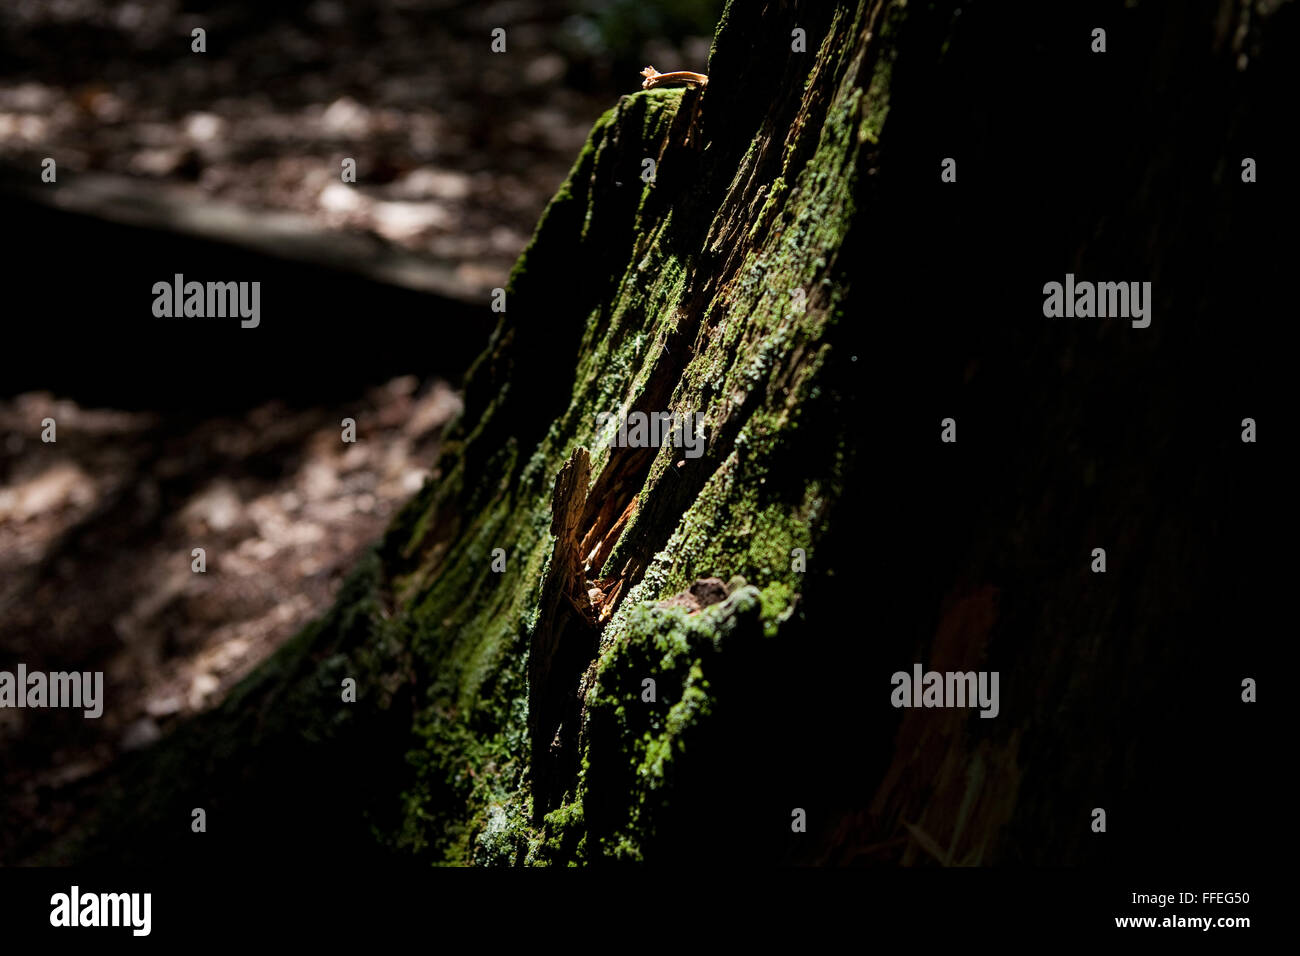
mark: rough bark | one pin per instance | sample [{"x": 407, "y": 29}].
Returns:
[{"x": 792, "y": 274}]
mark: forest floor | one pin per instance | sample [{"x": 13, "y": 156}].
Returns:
[
  {"x": 457, "y": 149},
  {"x": 97, "y": 566}
]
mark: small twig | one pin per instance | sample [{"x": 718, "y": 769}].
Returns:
[{"x": 654, "y": 78}]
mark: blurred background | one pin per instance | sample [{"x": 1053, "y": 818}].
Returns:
[
  {"x": 457, "y": 147},
  {"x": 174, "y": 434}
]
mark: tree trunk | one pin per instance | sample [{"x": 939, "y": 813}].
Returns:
[{"x": 798, "y": 273}]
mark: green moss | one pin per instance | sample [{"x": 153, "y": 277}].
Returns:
[
  {"x": 659, "y": 108},
  {"x": 774, "y": 197},
  {"x": 564, "y": 838},
  {"x": 618, "y": 268},
  {"x": 634, "y": 760},
  {"x": 876, "y": 110},
  {"x": 467, "y": 803}
]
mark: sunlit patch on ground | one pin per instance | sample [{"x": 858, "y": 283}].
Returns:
[{"x": 98, "y": 528}]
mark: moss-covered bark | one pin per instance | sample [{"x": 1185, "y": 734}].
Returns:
[
  {"x": 667, "y": 295},
  {"x": 501, "y": 718}
]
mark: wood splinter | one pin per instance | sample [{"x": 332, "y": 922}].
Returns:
[{"x": 653, "y": 78}]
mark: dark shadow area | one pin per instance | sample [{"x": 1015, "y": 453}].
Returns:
[{"x": 89, "y": 332}]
